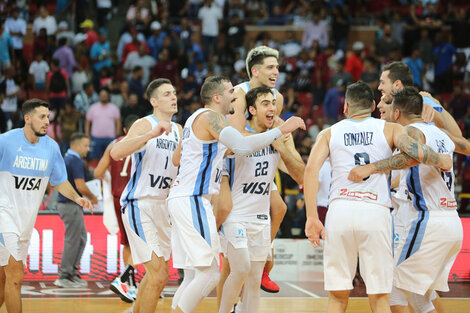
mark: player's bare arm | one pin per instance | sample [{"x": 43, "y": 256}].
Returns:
[
  {"x": 319, "y": 153},
  {"x": 104, "y": 162},
  {"x": 291, "y": 162},
  {"x": 413, "y": 141},
  {"x": 177, "y": 153},
  {"x": 462, "y": 145},
  {"x": 222, "y": 202},
  {"x": 238, "y": 120},
  {"x": 67, "y": 190},
  {"x": 442, "y": 120},
  {"x": 140, "y": 132}
]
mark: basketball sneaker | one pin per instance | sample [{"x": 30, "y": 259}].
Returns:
[
  {"x": 122, "y": 290},
  {"x": 82, "y": 283},
  {"x": 133, "y": 292},
  {"x": 267, "y": 284},
  {"x": 66, "y": 283}
]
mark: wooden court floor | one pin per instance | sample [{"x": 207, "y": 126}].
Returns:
[{"x": 268, "y": 305}]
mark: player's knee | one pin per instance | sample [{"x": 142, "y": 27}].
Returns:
[
  {"x": 339, "y": 296},
  {"x": 242, "y": 268},
  {"x": 14, "y": 279}
]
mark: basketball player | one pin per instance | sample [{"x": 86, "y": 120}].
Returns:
[
  {"x": 206, "y": 136},
  {"x": 358, "y": 222},
  {"x": 29, "y": 160},
  {"x": 145, "y": 214},
  {"x": 263, "y": 70},
  {"x": 397, "y": 75},
  {"x": 425, "y": 257},
  {"x": 246, "y": 231},
  {"x": 124, "y": 286}
]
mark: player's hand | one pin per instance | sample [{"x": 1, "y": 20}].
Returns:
[
  {"x": 427, "y": 115},
  {"x": 84, "y": 203},
  {"x": 162, "y": 127},
  {"x": 445, "y": 162},
  {"x": 292, "y": 124},
  {"x": 360, "y": 173},
  {"x": 313, "y": 229}
]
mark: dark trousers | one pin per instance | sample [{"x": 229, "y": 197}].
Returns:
[{"x": 74, "y": 240}]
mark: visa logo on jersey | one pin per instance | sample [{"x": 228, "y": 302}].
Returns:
[
  {"x": 27, "y": 183},
  {"x": 161, "y": 182},
  {"x": 258, "y": 188}
]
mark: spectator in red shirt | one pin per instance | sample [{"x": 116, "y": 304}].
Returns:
[
  {"x": 91, "y": 35},
  {"x": 354, "y": 63},
  {"x": 166, "y": 68},
  {"x": 134, "y": 46},
  {"x": 57, "y": 86},
  {"x": 321, "y": 74}
]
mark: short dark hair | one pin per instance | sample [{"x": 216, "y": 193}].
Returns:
[
  {"x": 77, "y": 136},
  {"x": 129, "y": 120},
  {"x": 154, "y": 85},
  {"x": 252, "y": 95},
  {"x": 86, "y": 85},
  {"x": 399, "y": 71},
  {"x": 211, "y": 86},
  {"x": 31, "y": 104},
  {"x": 360, "y": 95},
  {"x": 62, "y": 41},
  {"x": 408, "y": 101},
  {"x": 55, "y": 62}
]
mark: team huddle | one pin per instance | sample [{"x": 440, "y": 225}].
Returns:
[{"x": 208, "y": 188}]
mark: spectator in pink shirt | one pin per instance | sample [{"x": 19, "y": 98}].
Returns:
[{"x": 103, "y": 123}]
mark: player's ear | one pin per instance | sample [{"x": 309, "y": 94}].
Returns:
[
  {"x": 252, "y": 110},
  {"x": 346, "y": 107},
  {"x": 373, "y": 106}
]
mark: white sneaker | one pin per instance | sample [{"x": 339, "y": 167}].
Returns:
[
  {"x": 66, "y": 283},
  {"x": 133, "y": 292},
  {"x": 82, "y": 283},
  {"x": 122, "y": 290}
]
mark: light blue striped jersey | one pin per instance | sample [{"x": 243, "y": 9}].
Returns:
[
  {"x": 152, "y": 170},
  {"x": 201, "y": 164},
  {"x": 25, "y": 170}
]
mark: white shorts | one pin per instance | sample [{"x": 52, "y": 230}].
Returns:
[
  {"x": 194, "y": 238},
  {"x": 433, "y": 241},
  {"x": 148, "y": 229},
  {"x": 11, "y": 245},
  {"x": 358, "y": 229},
  {"x": 255, "y": 237}
]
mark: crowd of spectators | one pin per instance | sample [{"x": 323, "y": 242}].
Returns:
[{"x": 92, "y": 60}]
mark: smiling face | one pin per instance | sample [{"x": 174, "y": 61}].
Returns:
[
  {"x": 266, "y": 73},
  {"x": 227, "y": 98},
  {"x": 164, "y": 99},
  {"x": 264, "y": 111},
  {"x": 387, "y": 88},
  {"x": 38, "y": 120}
]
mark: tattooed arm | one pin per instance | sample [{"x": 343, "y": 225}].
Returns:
[{"x": 414, "y": 153}]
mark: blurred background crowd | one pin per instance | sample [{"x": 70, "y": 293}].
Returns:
[{"x": 77, "y": 53}]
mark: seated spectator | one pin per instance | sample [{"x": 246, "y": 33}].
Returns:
[
  {"x": 291, "y": 47},
  {"x": 133, "y": 106},
  {"x": 119, "y": 93},
  {"x": 38, "y": 71},
  {"x": 135, "y": 82},
  {"x": 371, "y": 73},
  {"x": 166, "y": 67},
  {"x": 334, "y": 99},
  {"x": 138, "y": 13},
  {"x": 68, "y": 121},
  {"x": 277, "y": 17},
  {"x": 105, "y": 78},
  {"x": 340, "y": 74},
  {"x": 199, "y": 72},
  {"x": 155, "y": 41},
  {"x": 140, "y": 58},
  {"x": 385, "y": 44},
  {"x": 460, "y": 103},
  {"x": 9, "y": 92},
  {"x": 103, "y": 123},
  {"x": 40, "y": 42},
  {"x": 65, "y": 32},
  {"x": 415, "y": 63},
  {"x": 315, "y": 129},
  {"x": 133, "y": 46},
  {"x": 44, "y": 20},
  {"x": 126, "y": 37}
]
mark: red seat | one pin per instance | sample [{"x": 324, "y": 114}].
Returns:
[{"x": 306, "y": 102}]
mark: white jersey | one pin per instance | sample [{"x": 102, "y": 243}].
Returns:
[
  {"x": 324, "y": 178},
  {"x": 25, "y": 170},
  {"x": 201, "y": 164},
  {"x": 251, "y": 180},
  {"x": 153, "y": 171},
  {"x": 430, "y": 188},
  {"x": 355, "y": 143}
]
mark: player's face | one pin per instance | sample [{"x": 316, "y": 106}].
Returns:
[
  {"x": 386, "y": 87},
  {"x": 228, "y": 97},
  {"x": 165, "y": 100},
  {"x": 265, "y": 111},
  {"x": 38, "y": 120},
  {"x": 267, "y": 72},
  {"x": 386, "y": 111}
]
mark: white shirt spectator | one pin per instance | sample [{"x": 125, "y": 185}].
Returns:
[
  {"x": 104, "y": 4},
  {"x": 314, "y": 32},
  {"x": 49, "y": 23},
  {"x": 210, "y": 17},
  {"x": 10, "y": 103},
  {"x": 39, "y": 71},
  {"x": 16, "y": 26},
  {"x": 290, "y": 48},
  {"x": 124, "y": 39},
  {"x": 78, "y": 79},
  {"x": 145, "y": 61}
]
